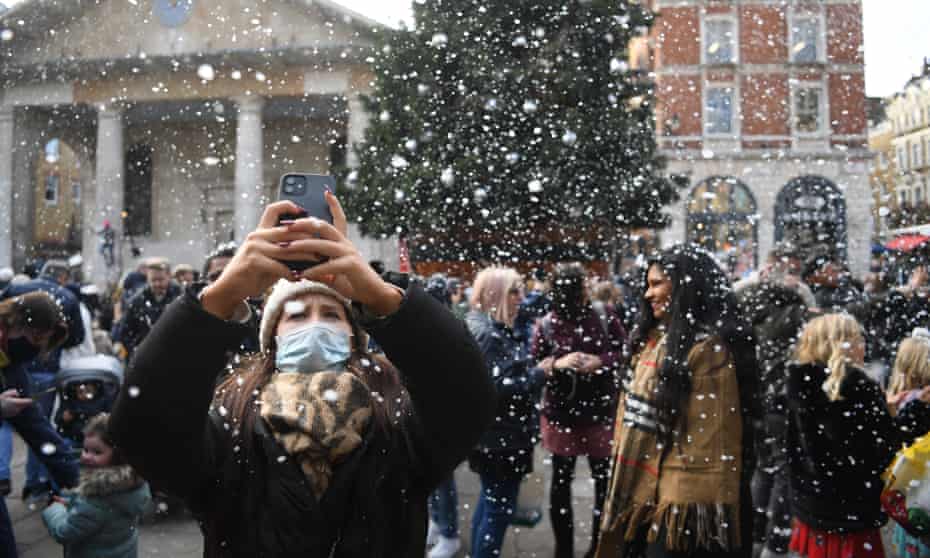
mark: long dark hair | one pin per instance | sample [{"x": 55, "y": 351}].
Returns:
[
  {"x": 237, "y": 396},
  {"x": 702, "y": 302},
  {"x": 568, "y": 291}
]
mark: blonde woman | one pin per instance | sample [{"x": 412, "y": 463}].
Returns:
[
  {"x": 911, "y": 374},
  {"x": 505, "y": 453},
  {"x": 840, "y": 439},
  {"x": 910, "y": 384}
]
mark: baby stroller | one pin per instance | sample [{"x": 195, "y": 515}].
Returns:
[{"x": 87, "y": 386}]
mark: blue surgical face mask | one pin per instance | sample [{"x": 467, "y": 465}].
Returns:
[{"x": 313, "y": 348}]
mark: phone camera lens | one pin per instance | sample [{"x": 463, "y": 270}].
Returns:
[{"x": 290, "y": 180}]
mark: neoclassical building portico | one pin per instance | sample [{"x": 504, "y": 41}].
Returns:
[{"x": 170, "y": 119}]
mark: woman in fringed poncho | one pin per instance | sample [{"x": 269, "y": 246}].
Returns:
[{"x": 683, "y": 442}]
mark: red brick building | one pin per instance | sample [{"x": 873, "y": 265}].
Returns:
[{"x": 761, "y": 104}]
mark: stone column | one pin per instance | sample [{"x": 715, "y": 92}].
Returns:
[
  {"x": 108, "y": 191},
  {"x": 250, "y": 186},
  {"x": 6, "y": 185},
  {"x": 355, "y": 129}
]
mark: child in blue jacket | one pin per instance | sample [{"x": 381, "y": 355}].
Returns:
[{"x": 100, "y": 519}]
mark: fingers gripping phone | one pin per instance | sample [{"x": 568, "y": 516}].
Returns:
[{"x": 309, "y": 192}]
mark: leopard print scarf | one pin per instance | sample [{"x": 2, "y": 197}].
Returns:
[{"x": 319, "y": 419}]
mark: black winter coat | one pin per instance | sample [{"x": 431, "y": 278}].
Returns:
[
  {"x": 838, "y": 449},
  {"x": 255, "y": 501},
  {"x": 143, "y": 311}
]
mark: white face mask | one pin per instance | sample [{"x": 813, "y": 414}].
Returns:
[{"x": 313, "y": 348}]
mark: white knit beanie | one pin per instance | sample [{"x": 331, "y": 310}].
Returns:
[{"x": 284, "y": 291}]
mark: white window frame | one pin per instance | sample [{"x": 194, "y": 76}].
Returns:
[
  {"x": 734, "y": 132},
  {"x": 916, "y": 154},
  {"x": 902, "y": 158},
  {"x": 734, "y": 22},
  {"x": 822, "y": 109},
  {"x": 793, "y": 15}
]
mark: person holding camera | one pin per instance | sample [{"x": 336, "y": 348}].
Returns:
[{"x": 315, "y": 447}]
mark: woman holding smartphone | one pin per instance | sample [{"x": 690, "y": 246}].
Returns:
[{"x": 316, "y": 447}]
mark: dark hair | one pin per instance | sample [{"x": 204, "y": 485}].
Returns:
[
  {"x": 226, "y": 250},
  {"x": 38, "y": 311},
  {"x": 568, "y": 291},
  {"x": 98, "y": 426},
  {"x": 701, "y": 302}
]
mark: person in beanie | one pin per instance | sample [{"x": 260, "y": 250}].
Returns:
[
  {"x": 314, "y": 447},
  {"x": 683, "y": 442}
]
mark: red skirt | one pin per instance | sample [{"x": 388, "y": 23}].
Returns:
[
  {"x": 595, "y": 440},
  {"x": 813, "y": 543}
]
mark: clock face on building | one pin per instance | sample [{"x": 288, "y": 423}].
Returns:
[{"x": 173, "y": 13}]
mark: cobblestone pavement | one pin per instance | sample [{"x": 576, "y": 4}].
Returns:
[{"x": 180, "y": 538}]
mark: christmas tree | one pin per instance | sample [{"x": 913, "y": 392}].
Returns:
[{"x": 506, "y": 129}]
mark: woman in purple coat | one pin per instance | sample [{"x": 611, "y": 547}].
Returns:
[{"x": 580, "y": 398}]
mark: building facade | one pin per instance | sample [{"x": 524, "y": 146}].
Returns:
[
  {"x": 908, "y": 119},
  {"x": 174, "y": 130},
  {"x": 761, "y": 109}
]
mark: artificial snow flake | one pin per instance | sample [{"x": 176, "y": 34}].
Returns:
[
  {"x": 618, "y": 66},
  {"x": 206, "y": 72},
  {"x": 447, "y": 177}
]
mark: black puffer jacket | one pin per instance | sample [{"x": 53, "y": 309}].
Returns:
[
  {"x": 838, "y": 449},
  {"x": 253, "y": 500}
]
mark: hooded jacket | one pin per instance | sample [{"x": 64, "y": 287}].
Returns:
[
  {"x": 102, "y": 516},
  {"x": 253, "y": 500}
]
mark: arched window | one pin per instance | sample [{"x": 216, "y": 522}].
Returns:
[
  {"x": 722, "y": 218},
  {"x": 811, "y": 211}
]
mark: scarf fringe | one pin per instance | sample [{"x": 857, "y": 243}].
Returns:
[{"x": 687, "y": 526}]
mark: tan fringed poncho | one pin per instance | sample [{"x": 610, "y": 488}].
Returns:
[{"x": 690, "y": 491}]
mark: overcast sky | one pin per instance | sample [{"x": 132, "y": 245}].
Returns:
[{"x": 897, "y": 36}]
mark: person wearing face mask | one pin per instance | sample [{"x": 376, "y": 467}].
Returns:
[
  {"x": 31, "y": 325},
  {"x": 314, "y": 447}
]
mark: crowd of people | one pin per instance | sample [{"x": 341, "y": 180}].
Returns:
[{"x": 323, "y": 413}]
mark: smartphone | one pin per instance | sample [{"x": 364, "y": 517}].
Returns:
[{"x": 309, "y": 192}]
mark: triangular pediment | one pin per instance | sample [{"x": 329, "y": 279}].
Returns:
[{"x": 49, "y": 33}]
